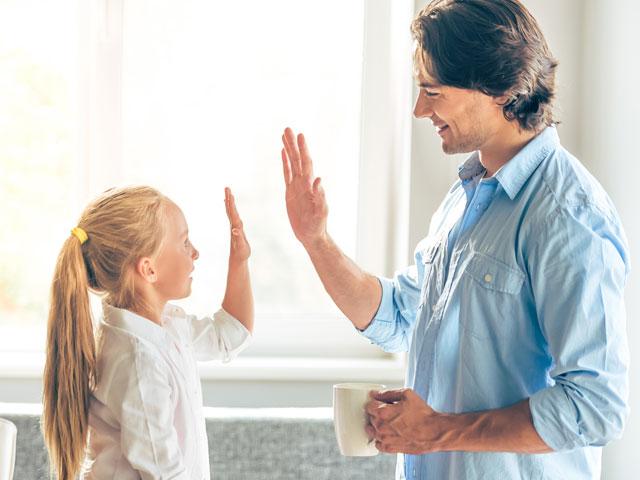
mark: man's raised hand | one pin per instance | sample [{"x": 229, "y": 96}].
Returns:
[{"x": 306, "y": 205}]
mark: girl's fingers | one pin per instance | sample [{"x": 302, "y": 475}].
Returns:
[
  {"x": 232, "y": 211},
  {"x": 226, "y": 200}
]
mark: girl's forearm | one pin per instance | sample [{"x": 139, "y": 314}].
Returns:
[{"x": 238, "y": 297}]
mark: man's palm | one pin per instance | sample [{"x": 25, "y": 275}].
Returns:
[{"x": 306, "y": 204}]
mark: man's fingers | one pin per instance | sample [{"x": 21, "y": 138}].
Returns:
[
  {"x": 389, "y": 396},
  {"x": 372, "y": 406},
  {"x": 381, "y": 412},
  {"x": 305, "y": 159},
  {"x": 286, "y": 167},
  {"x": 292, "y": 151},
  {"x": 317, "y": 187},
  {"x": 400, "y": 446},
  {"x": 371, "y": 431},
  {"x": 386, "y": 447},
  {"x": 377, "y": 423}
]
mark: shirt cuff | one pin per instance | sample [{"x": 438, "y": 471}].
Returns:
[
  {"x": 382, "y": 324},
  {"x": 233, "y": 335},
  {"x": 553, "y": 418}
]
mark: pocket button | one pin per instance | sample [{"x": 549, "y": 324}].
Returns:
[{"x": 488, "y": 278}]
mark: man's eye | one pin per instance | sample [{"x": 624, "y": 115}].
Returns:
[{"x": 430, "y": 94}]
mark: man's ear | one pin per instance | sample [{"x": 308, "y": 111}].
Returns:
[
  {"x": 501, "y": 100},
  {"x": 146, "y": 269}
]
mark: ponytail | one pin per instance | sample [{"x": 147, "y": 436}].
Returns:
[
  {"x": 122, "y": 225},
  {"x": 69, "y": 373}
]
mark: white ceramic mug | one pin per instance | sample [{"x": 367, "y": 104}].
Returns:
[
  {"x": 8, "y": 434},
  {"x": 350, "y": 419}
]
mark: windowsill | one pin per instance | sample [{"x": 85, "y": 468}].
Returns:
[
  {"x": 308, "y": 369},
  {"x": 226, "y": 413},
  {"x": 29, "y": 365}
]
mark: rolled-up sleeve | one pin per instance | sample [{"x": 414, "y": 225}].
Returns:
[
  {"x": 221, "y": 337},
  {"x": 392, "y": 325},
  {"x": 578, "y": 270}
]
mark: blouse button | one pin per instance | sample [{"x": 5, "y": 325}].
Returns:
[{"x": 488, "y": 278}]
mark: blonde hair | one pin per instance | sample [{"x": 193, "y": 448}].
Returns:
[{"x": 123, "y": 225}]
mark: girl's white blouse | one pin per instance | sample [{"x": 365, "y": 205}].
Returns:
[{"x": 145, "y": 417}]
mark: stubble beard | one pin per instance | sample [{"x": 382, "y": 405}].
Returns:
[{"x": 467, "y": 144}]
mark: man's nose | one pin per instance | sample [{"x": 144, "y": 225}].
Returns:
[
  {"x": 196, "y": 254},
  {"x": 422, "y": 108}
]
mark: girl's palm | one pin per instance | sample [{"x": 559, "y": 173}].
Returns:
[{"x": 240, "y": 248}]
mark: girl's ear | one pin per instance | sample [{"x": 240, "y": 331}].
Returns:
[{"x": 146, "y": 269}]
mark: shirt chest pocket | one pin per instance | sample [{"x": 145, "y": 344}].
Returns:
[
  {"x": 428, "y": 260},
  {"x": 490, "y": 304}
]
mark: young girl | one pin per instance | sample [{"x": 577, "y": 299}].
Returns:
[{"x": 131, "y": 403}]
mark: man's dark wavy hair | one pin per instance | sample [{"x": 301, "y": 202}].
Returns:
[{"x": 494, "y": 46}]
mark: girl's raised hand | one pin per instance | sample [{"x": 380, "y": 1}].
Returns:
[{"x": 240, "y": 249}]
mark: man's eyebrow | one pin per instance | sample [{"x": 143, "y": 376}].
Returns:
[{"x": 427, "y": 85}]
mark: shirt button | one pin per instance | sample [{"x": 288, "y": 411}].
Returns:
[{"x": 488, "y": 278}]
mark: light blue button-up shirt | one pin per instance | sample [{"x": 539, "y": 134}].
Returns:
[
  {"x": 479, "y": 192},
  {"x": 530, "y": 306}
]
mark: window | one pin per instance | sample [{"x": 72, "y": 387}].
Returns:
[
  {"x": 38, "y": 174},
  {"x": 207, "y": 88},
  {"x": 191, "y": 96}
]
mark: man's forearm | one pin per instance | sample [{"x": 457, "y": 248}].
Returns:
[
  {"x": 504, "y": 430},
  {"x": 356, "y": 293}
]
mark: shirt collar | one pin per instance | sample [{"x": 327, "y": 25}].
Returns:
[
  {"x": 135, "y": 324},
  {"x": 471, "y": 168},
  {"x": 513, "y": 174}
]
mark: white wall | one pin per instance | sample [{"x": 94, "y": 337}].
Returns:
[
  {"x": 597, "y": 44},
  {"x": 610, "y": 132}
]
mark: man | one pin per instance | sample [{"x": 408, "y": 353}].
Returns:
[{"x": 513, "y": 313}]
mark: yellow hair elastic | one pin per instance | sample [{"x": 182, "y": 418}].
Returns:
[{"x": 80, "y": 234}]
